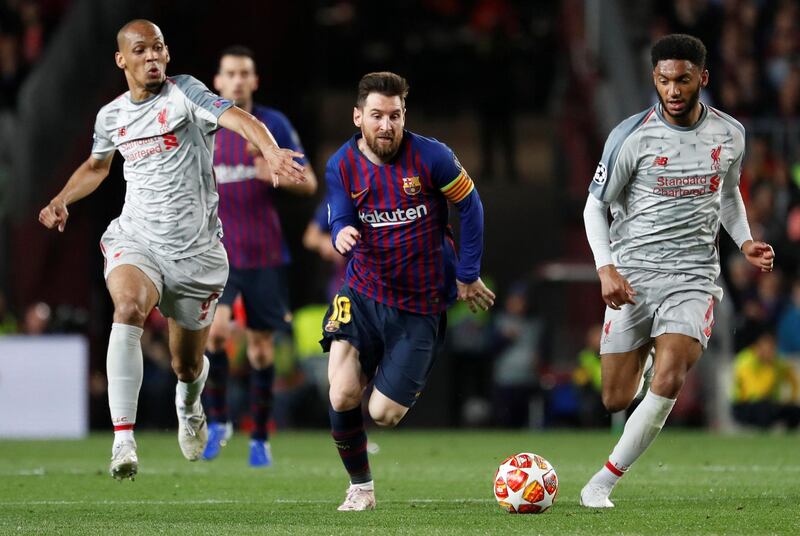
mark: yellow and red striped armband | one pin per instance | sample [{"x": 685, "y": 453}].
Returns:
[{"x": 459, "y": 188}]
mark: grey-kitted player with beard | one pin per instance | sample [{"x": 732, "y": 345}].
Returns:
[
  {"x": 164, "y": 249},
  {"x": 670, "y": 176}
]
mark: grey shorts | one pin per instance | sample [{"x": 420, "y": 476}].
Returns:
[
  {"x": 665, "y": 303},
  {"x": 188, "y": 288}
]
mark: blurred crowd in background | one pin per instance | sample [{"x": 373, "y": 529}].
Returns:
[
  {"x": 24, "y": 28},
  {"x": 498, "y": 366}
]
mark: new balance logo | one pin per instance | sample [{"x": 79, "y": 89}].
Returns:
[{"x": 661, "y": 161}]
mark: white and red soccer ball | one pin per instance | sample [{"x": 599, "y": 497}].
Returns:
[{"x": 525, "y": 484}]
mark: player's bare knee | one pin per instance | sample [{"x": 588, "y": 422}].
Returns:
[
  {"x": 186, "y": 371},
  {"x": 128, "y": 311},
  {"x": 615, "y": 401},
  {"x": 668, "y": 383},
  {"x": 344, "y": 399},
  {"x": 386, "y": 418}
]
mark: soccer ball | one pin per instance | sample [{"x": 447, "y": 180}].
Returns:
[{"x": 525, "y": 484}]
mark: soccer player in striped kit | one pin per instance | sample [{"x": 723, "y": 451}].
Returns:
[
  {"x": 257, "y": 253},
  {"x": 670, "y": 175},
  {"x": 388, "y": 195},
  {"x": 164, "y": 249}
]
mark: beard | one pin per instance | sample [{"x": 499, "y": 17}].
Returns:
[
  {"x": 691, "y": 102},
  {"x": 154, "y": 86},
  {"x": 384, "y": 151}
]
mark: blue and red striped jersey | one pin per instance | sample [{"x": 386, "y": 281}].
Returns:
[
  {"x": 405, "y": 257},
  {"x": 253, "y": 235},
  {"x": 321, "y": 217}
]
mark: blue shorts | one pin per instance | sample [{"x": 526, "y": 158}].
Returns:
[
  {"x": 265, "y": 293},
  {"x": 396, "y": 348}
]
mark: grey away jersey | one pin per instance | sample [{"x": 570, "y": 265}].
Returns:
[
  {"x": 167, "y": 142},
  {"x": 663, "y": 183}
]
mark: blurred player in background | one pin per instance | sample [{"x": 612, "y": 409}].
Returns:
[
  {"x": 257, "y": 253},
  {"x": 388, "y": 190},
  {"x": 317, "y": 238},
  {"x": 164, "y": 248},
  {"x": 670, "y": 175}
]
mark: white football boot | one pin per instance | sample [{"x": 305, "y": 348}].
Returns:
[
  {"x": 359, "y": 498},
  {"x": 124, "y": 462},
  {"x": 594, "y": 495},
  {"x": 192, "y": 430}
]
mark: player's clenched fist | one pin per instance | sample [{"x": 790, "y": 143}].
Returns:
[
  {"x": 476, "y": 294},
  {"x": 759, "y": 254},
  {"x": 54, "y": 214},
  {"x": 282, "y": 163},
  {"x": 615, "y": 289},
  {"x": 346, "y": 239}
]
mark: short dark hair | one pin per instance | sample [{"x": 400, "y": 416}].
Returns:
[
  {"x": 679, "y": 47},
  {"x": 385, "y": 83},
  {"x": 239, "y": 51}
]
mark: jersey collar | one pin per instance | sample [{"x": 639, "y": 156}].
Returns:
[{"x": 700, "y": 121}]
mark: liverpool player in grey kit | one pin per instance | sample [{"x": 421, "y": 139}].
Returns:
[
  {"x": 164, "y": 249},
  {"x": 670, "y": 176}
]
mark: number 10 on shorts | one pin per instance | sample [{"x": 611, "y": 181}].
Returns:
[{"x": 340, "y": 315}]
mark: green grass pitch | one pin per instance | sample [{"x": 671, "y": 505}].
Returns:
[{"x": 427, "y": 483}]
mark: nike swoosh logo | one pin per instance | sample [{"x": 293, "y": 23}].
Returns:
[{"x": 356, "y": 195}]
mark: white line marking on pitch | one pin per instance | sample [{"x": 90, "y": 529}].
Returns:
[{"x": 226, "y": 501}]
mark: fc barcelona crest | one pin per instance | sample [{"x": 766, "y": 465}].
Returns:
[{"x": 411, "y": 185}]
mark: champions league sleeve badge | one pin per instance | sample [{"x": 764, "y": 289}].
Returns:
[{"x": 600, "y": 174}]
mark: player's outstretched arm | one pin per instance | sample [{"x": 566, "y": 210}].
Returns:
[
  {"x": 280, "y": 161},
  {"x": 83, "y": 182},
  {"x": 307, "y": 187}
]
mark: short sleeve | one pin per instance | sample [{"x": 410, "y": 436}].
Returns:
[
  {"x": 204, "y": 107},
  {"x": 619, "y": 161},
  {"x": 102, "y": 146},
  {"x": 285, "y": 135}
]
